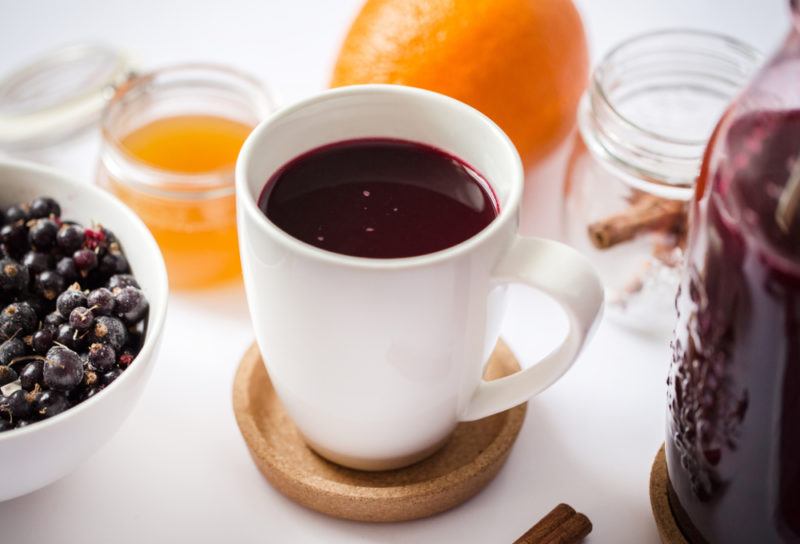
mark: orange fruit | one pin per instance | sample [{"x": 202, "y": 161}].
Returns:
[{"x": 523, "y": 63}]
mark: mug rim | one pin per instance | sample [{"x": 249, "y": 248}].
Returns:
[{"x": 250, "y": 206}]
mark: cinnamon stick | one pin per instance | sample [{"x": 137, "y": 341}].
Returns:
[
  {"x": 571, "y": 531},
  {"x": 646, "y": 213},
  {"x": 562, "y": 525}
]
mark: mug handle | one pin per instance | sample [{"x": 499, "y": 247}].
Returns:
[{"x": 565, "y": 275}]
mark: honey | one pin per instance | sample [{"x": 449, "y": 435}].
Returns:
[
  {"x": 197, "y": 237},
  {"x": 191, "y": 144},
  {"x": 169, "y": 152}
]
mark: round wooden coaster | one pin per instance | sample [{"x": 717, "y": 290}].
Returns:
[
  {"x": 668, "y": 529},
  {"x": 466, "y": 463}
]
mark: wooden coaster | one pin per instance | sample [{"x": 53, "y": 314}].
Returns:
[
  {"x": 466, "y": 463},
  {"x": 668, "y": 529}
]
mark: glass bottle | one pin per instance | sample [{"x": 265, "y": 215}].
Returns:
[
  {"x": 733, "y": 425},
  {"x": 643, "y": 124}
]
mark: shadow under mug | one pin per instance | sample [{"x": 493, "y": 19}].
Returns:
[{"x": 378, "y": 360}]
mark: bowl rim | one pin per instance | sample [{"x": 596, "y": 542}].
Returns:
[{"x": 157, "y": 298}]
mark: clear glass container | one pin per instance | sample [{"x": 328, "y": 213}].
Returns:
[
  {"x": 185, "y": 198},
  {"x": 643, "y": 124},
  {"x": 49, "y": 108},
  {"x": 732, "y": 436}
]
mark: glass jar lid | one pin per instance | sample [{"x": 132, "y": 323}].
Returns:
[{"x": 58, "y": 94}]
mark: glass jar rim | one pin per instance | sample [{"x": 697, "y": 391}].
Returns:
[
  {"x": 644, "y": 153},
  {"x": 153, "y": 179}
]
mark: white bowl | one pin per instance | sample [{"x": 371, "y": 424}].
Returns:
[{"x": 35, "y": 456}]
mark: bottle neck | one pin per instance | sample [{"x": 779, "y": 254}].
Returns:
[{"x": 654, "y": 100}]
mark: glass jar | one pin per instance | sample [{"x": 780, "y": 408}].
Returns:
[
  {"x": 169, "y": 144},
  {"x": 643, "y": 124},
  {"x": 50, "y": 107},
  {"x": 733, "y": 440}
]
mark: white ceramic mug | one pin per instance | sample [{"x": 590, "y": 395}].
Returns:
[{"x": 377, "y": 360}]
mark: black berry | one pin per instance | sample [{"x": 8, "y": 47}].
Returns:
[
  {"x": 17, "y": 405},
  {"x": 81, "y": 318},
  {"x": 111, "y": 375},
  {"x": 37, "y": 262},
  {"x": 122, "y": 280},
  {"x": 101, "y": 301},
  {"x": 13, "y": 276},
  {"x": 66, "y": 267},
  {"x": 17, "y": 213},
  {"x": 31, "y": 375},
  {"x": 71, "y": 337},
  {"x": 44, "y": 206},
  {"x": 10, "y": 350},
  {"x": 70, "y": 238},
  {"x": 63, "y": 369},
  {"x": 42, "y": 234},
  {"x": 109, "y": 330},
  {"x": 53, "y": 321},
  {"x": 7, "y": 375},
  {"x": 130, "y": 304},
  {"x": 49, "y": 403},
  {"x": 17, "y": 319},
  {"x": 49, "y": 284},
  {"x": 70, "y": 299},
  {"x": 102, "y": 357},
  {"x": 42, "y": 340},
  {"x": 85, "y": 260}
]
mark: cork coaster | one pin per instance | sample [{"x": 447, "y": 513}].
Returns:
[
  {"x": 467, "y": 462},
  {"x": 668, "y": 529}
]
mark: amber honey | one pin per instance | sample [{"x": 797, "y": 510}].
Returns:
[
  {"x": 197, "y": 237},
  {"x": 175, "y": 169}
]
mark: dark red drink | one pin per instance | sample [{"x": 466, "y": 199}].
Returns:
[
  {"x": 379, "y": 198},
  {"x": 733, "y": 432}
]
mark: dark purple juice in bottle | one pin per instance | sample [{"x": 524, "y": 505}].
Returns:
[
  {"x": 733, "y": 432},
  {"x": 733, "y": 425}
]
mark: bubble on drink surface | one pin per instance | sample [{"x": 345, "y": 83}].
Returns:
[{"x": 365, "y": 193}]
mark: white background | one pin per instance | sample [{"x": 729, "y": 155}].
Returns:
[{"x": 178, "y": 470}]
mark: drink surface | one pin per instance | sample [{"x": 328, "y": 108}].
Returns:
[{"x": 379, "y": 198}]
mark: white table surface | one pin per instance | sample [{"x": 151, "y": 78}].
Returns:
[{"x": 178, "y": 470}]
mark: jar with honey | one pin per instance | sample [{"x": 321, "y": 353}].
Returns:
[{"x": 170, "y": 139}]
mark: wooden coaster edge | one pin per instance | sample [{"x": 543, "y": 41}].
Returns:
[
  {"x": 420, "y": 500},
  {"x": 668, "y": 530}
]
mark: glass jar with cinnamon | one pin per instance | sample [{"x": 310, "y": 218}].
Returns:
[{"x": 643, "y": 125}]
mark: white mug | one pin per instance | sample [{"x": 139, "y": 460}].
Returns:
[{"x": 378, "y": 360}]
